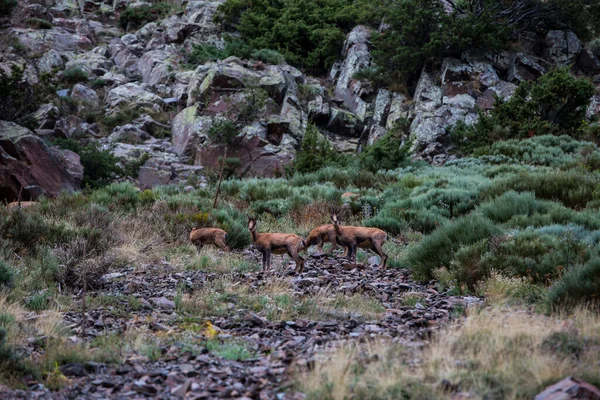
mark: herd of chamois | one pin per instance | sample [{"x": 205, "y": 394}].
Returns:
[{"x": 350, "y": 237}]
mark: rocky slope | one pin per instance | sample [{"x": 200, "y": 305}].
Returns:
[{"x": 145, "y": 70}]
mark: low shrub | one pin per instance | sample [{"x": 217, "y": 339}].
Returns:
[
  {"x": 389, "y": 152},
  {"x": 572, "y": 188},
  {"x": 99, "y": 166},
  {"x": 532, "y": 110},
  {"x": 134, "y": 17},
  {"x": 7, "y": 7},
  {"x": 268, "y": 56},
  {"x": 121, "y": 117},
  {"x": 74, "y": 75},
  {"x": 438, "y": 249},
  {"x": 315, "y": 153},
  {"x": 37, "y": 23},
  {"x": 580, "y": 285},
  {"x": 6, "y": 275}
]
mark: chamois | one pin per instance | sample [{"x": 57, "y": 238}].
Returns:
[
  {"x": 216, "y": 236},
  {"x": 277, "y": 243},
  {"x": 323, "y": 234},
  {"x": 354, "y": 237}
]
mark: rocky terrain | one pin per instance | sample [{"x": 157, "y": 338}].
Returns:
[
  {"x": 279, "y": 348},
  {"x": 146, "y": 71},
  {"x": 103, "y": 296}
]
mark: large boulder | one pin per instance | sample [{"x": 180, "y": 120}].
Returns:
[
  {"x": 357, "y": 57},
  {"x": 157, "y": 66},
  {"x": 570, "y": 389},
  {"x": 27, "y": 164},
  {"x": 133, "y": 95},
  {"x": 562, "y": 47},
  {"x": 189, "y": 131},
  {"x": 157, "y": 171},
  {"x": 258, "y": 157},
  {"x": 60, "y": 39}
]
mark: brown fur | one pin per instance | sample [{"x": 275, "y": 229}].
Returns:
[
  {"x": 277, "y": 243},
  {"x": 355, "y": 237},
  {"x": 216, "y": 236},
  {"x": 323, "y": 234},
  {"x": 21, "y": 204}
]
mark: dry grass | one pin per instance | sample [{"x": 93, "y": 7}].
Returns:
[{"x": 495, "y": 354}]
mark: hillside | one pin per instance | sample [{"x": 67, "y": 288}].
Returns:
[{"x": 467, "y": 131}]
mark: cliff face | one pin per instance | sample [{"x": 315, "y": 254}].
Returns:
[{"x": 143, "y": 74}]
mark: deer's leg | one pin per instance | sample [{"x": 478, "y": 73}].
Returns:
[
  {"x": 319, "y": 244},
  {"x": 346, "y": 251},
  {"x": 378, "y": 249},
  {"x": 332, "y": 239},
  {"x": 264, "y": 260},
  {"x": 351, "y": 251},
  {"x": 292, "y": 252},
  {"x": 198, "y": 245},
  {"x": 221, "y": 244},
  {"x": 354, "y": 250},
  {"x": 268, "y": 256}
]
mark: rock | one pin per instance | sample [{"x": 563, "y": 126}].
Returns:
[
  {"x": 345, "y": 123},
  {"x": 428, "y": 96},
  {"x": 562, "y": 47},
  {"x": 59, "y": 39},
  {"x": 399, "y": 108},
  {"x": 257, "y": 156},
  {"x": 50, "y": 61},
  {"x": 588, "y": 62},
  {"x": 129, "y": 134},
  {"x": 524, "y": 68},
  {"x": 132, "y": 95},
  {"x": 90, "y": 62},
  {"x": 86, "y": 96},
  {"x": 189, "y": 131},
  {"x": 319, "y": 110},
  {"x": 275, "y": 85},
  {"x": 162, "y": 302},
  {"x": 71, "y": 163},
  {"x": 357, "y": 57},
  {"x": 181, "y": 390},
  {"x": 157, "y": 66},
  {"x": 156, "y": 172},
  {"x": 27, "y": 163},
  {"x": 46, "y": 116},
  {"x": 570, "y": 388},
  {"x": 226, "y": 76}
]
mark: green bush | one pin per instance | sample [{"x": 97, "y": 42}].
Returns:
[
  {"x": 572, "y": 188},
  {"x": 268, "y": 56},
  {"x": 308, "y": 34},
  {"x": 7, "y": 7},
  {"x": 580, "y": 285},
  {"x": 37, "y": 23},
  {"x": 99, "y": 166},
  {"x": 19, "y": 98},
  {"x": 203, "y": 53},
  {"x": 29, "y": 230},
  {"x": 6, "y": 275},
  {"x": 315, "y": 153},
  {"x": 540, "y": 258},
  {"x": 554, "y": 104},
  {"x": 75, "y": 75},
  {"x": 117, "y": 196},
  {"x": 421, "y": 31},
  {"x": 135, "y": 17},
  {"x": 121, "y": 117},
  {"x": 388, "y": 152},
  {"x": 233, "y": 222},
  {"x": 564, "y": 344},
  {"x": 438, "y": 249},
  {"x": 99, "y": 83}
]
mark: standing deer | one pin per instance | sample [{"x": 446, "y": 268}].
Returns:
[
  {"x": 216, "y": 236},
  {"x": 277, "y": 243},
  {"x": 354, "y": 237},
  {"x": 323, "y": 234}
]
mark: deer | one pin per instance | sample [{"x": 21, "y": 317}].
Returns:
[
  {"x": 201, "y": 236},
  {"x": 323, "y": 234},
  {"x": 277, "y": 243},
  {"x": 354, "y": 237}
]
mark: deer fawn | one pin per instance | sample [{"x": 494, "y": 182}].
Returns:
[
  {"x": 216, "y": 236},
  {"x": 277, "y": 243},
  {"x": 354, "y": 237},
  {"x": 323, "y": 234}
]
